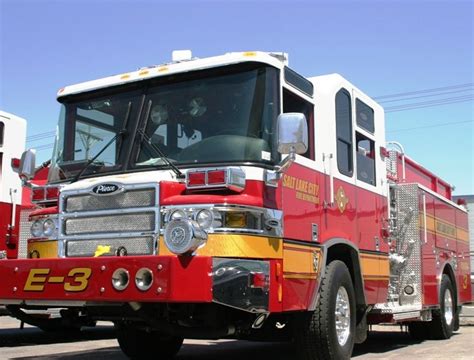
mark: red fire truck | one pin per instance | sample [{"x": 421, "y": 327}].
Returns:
[{"x": 231, "y": 197}]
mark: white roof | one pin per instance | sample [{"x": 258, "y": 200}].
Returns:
[{"x": 273, "y": 59}]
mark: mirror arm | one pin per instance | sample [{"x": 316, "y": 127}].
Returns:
[
  {"x": 273, "y": 176},
  {"x": 286, "y": 162}
]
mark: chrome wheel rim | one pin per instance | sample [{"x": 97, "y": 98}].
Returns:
[
  {"x": 343, "y": 316},
  {"x": 448, "y": 307}
]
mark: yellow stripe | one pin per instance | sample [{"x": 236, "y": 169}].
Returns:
[
  {"x": 231, "y": 245},
  {"x": 299, "y": 260},
  {"x": 297, "y": 276},
  {"x": 375, "y": 266},
  {"x": 462, "y": 234},
  {"x": 444, "y": 228},
  {"x": 46, "y": 249}
]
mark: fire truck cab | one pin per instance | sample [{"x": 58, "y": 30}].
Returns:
[{"x": 232, "y": 197}]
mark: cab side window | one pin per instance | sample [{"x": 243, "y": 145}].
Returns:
[
  {"x": 365, "y": 159},
  {"x": 293, "y": 103},
  {"x": 344, "y": 132},
  {"x": 365, "y": 116}
]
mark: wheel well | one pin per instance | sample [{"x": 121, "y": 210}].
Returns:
[
  {"x": 350, "y": 257},
  {"x": 448, "y": 270}
]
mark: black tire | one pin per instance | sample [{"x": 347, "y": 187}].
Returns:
[
  {"x": 315, "y": 334},
  {"x": 147, "y": 345},
  {"x": 440, "y": 328}
]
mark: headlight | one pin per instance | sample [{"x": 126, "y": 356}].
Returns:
[
  {"x": 48, "y": 227},
  {"x": 184, "y": 236},
  {"x": 204, "y": 218},
  {"x": 44, "y": 227},
  {"x": 177, "y": 215},
  {"x": 37, "y": 228}
]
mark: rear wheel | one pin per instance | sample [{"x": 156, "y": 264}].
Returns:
[
  {"x": 328, "y": 332},
  {"x": 141, "y": 344},
  {"x": 442, "y": 325}
]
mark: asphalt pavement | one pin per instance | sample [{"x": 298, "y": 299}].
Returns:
[{"x": 384, "y": 342}]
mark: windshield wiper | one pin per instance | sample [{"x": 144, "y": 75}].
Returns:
[
  {"x": 120, "y": 134},
  {"x": 154, "y": 147}
]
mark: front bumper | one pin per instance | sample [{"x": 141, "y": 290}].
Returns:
[{"x": 88, "y": 281}]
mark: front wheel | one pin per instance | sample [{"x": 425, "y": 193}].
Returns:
[
  {"x": 328, "y": 332},
  {"x": 141, "y": 344}
]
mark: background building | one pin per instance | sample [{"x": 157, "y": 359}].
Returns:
[{"x": 470, "y": 207}]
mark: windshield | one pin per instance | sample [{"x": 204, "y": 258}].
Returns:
[
  {"x": 210, "y": 118},
  {"x": 85, "y": 127}
]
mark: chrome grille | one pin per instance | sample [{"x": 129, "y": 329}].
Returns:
[
  {"x": 133, "y": 246},
  {"x": 110, "y": 223},
  {"x": 129, "y": 218},
  {"x": 127, "y": 199}
]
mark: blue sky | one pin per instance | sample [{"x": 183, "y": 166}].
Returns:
[{"x": 383, "y": 47}]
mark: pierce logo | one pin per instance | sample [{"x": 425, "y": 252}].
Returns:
[{"x": 105, "y": 189}]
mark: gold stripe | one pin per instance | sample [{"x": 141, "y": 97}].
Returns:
[
  {"x": 47, "y": 249},
  {"x": 375, "y": 266},
  {"x": 369, "y": 277},
  {"x": 296, "y": 276},
  {"x": 435, "y": 226},
  {"x": 231, "y": 245},
  {"x": 300, "y": 259}
]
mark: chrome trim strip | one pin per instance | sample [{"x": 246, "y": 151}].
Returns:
[{"x": 98, "y": 213}]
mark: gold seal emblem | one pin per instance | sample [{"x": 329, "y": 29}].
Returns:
[{"x": 341, "y": 199}]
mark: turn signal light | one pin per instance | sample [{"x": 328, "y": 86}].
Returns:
[
  {"x": 37, "y": 194},
  {"x": 52, "y": 193},
  {"x": 197, "y": 178},
  {"x": 41, "y": 194},
  {"x": 236, "y": 220},
  {"x": 216, "y": 177}
]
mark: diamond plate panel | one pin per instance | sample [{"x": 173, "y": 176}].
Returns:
[
  {"x": 408, "y": 245},
  {"x": 391, "y": 163},
  {"x": 126, "y": 199},
  {"x": 25, "y": 233},
  {"x": 133, "y": 246},
  {"x": 110, "y": 223}
]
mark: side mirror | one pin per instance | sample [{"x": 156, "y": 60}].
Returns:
[
  {"x": 292, "y": 133},
  {"x": 28, "y": 164}
]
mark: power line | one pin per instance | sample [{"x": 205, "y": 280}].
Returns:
[
  {"x": 431, "y": 126},
  {"x": 41, "y": 136},
  {"x": 424, "y": 96},
  {"x": 424, "y": 91},
  {"x": 44, "y": 147},
  {"x": 427, "y": 104}
]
